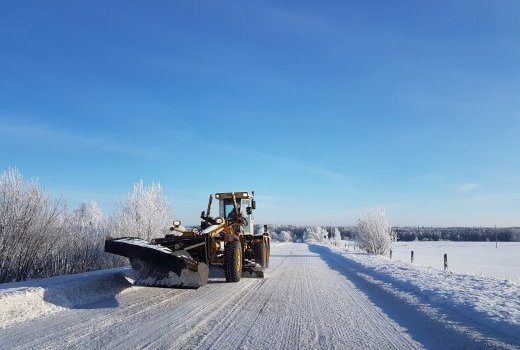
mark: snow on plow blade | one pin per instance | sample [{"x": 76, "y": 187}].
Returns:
[{"x": 155, "y": 265}]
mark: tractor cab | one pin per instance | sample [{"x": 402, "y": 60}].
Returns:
[{"x": 245, "y": 204}]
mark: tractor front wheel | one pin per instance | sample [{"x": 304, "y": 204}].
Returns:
[{"x": 233, "y": 261}]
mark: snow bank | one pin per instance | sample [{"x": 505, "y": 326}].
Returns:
[
  {"x": 488, "y": 301},
  {"x": 28, "y": 300}
]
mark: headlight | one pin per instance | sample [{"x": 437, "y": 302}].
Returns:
[
  {"x": 176, "y": 223},
  {"x": 195, "y": 230},
  {"x": 219, "y": 220}
]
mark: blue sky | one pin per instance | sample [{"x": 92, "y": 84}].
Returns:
[{"x": 323, "y": 108}]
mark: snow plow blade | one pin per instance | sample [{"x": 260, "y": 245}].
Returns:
[{"x": 156, "y": 265}]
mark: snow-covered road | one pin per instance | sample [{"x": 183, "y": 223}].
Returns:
[{"x": 311, "y": 298}]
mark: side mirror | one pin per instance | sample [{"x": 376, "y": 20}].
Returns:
[
  {"x": 253, "y": 204},
  {"x": 203, "y": 215},
  {"x": 249, "y": 211}
]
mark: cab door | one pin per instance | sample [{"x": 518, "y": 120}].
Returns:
[{"x": 250, "y": 227}]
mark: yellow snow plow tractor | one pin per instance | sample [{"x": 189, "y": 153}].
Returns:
[{"x": 182, "y": 258}]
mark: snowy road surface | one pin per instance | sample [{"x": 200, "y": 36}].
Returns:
[{"x": 311, "y": 298}]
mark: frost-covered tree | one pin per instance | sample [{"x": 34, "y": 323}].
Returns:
[
  {"x": 30, "y": 225},
  {"x": 144, "y": 213},
  {"x": 285, "y": 236},
  {"x": 88, "y": 214},
  {"x": 275, "y": 230},
  {"x": 315, "y": 233},
  {"x": 374, "y": 234},
  {"x": 336, "y": 236},
  {"x": 81, "y": 247}
]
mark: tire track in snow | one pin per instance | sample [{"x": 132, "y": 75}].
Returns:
[
  {"x": 212, "y": 332},
  {"x": 222, "y": 313},
  {"x": 180, "y": 318}
]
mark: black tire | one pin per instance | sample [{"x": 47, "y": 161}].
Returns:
[
  {"x": 260, "y": 254},
  {"x": 233, "y": 261}
]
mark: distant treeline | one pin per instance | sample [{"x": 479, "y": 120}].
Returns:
[{"x": 472, "y": 234}]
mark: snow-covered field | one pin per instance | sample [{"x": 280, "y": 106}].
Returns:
[
  {"x": 313, "y": 297},
  {"x": 477, "y": 258}
]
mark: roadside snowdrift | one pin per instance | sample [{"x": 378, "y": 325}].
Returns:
[
  {"x": 488, "y": 301},
  {"x": 22, "y": 301}
]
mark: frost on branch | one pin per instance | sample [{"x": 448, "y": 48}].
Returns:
[
  {"x": 374, "y": 233},
  {"x": 336, "y": 236},
  {"x": 31, "y": 224},
  {"x": 285, "y": 236},
  {"x": 88, "y": 215},
  {"x": 144, "y": 213},
  {"x": 315, "y": 233},
  {"x": 81, "y": 246}
]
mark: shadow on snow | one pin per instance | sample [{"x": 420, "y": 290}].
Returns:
[{"x": 91, "y": 293}]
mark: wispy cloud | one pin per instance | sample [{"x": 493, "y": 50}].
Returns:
[
  {"x": 67, "y": 138},
  {"x": 292, "y": 164},
  {"x": 468, "y": 187},
  {"x": 309, "y": 169}
]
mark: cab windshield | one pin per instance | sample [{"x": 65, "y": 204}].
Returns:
[{"x": 228, "y": 207}]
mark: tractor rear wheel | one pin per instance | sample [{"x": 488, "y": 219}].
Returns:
[
  {"x": 233, "y": 261},
  {"x": 260, "y": 250},
  {"x": 267, "y": 254}
]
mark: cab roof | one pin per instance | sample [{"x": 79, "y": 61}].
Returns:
[{"x": 238, "y": 195}]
